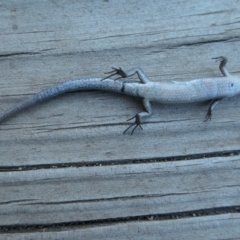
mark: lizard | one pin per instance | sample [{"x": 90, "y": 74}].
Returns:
[{"x": 165, "y": 92}]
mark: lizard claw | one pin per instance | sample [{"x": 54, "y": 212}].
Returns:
[
  {"x": 208, "y": 115},
  {"x": 136, "y": 124},
  {"x": 115, "y": 71},
  {"x": 220, "y": 59}
]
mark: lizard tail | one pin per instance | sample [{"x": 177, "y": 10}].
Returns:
[
  {"x": 67, "y": 86},
  {"x": 19, "y": 107}
]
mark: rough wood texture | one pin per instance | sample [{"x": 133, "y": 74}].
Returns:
[{"x": 56, "y": 158}]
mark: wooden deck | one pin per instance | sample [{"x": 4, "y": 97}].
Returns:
[{"x": 66, "y": 169}]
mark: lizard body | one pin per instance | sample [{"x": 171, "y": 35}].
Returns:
[{"x": 166, "y": 92}]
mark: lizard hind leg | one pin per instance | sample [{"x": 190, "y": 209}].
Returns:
[
  {"x": 115, "y": 71},
  {"x": 140, "y": 116},
  {"x": 122, "y": 74},
  {"x": 136, "y": 124}
]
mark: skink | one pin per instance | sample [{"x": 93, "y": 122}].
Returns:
[{"x": 166, "y": 92}]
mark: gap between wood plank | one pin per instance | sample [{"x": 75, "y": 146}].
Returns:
[
  {"x": 121, "y": 162},
  {"x": 157, "y": 217}
]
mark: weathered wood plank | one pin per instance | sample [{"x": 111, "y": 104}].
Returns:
[
  {"x": 211, "y": 227},
  {"x": 88, "y": 126},
  {"x": 96, "y": 193},
  {"x": 50, "y": 27}
]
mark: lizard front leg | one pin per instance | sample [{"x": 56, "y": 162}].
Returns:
[
  {"x": 211, "y": 107},
  {"x": 222, "y": 65},
  {"x": 140, "y": 116}
]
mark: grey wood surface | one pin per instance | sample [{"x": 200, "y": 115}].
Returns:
[{"x": 66, "y": 169}]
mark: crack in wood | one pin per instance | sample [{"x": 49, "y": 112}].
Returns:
[
  {"x": 156, "y": 217},
  {"x": 119, "y": 162}
]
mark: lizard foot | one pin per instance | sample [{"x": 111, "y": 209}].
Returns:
[
  {"x": 220, "y": 59},
  {"x": 136, "y": 124},
  {"x": 115, "y": 71}
]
